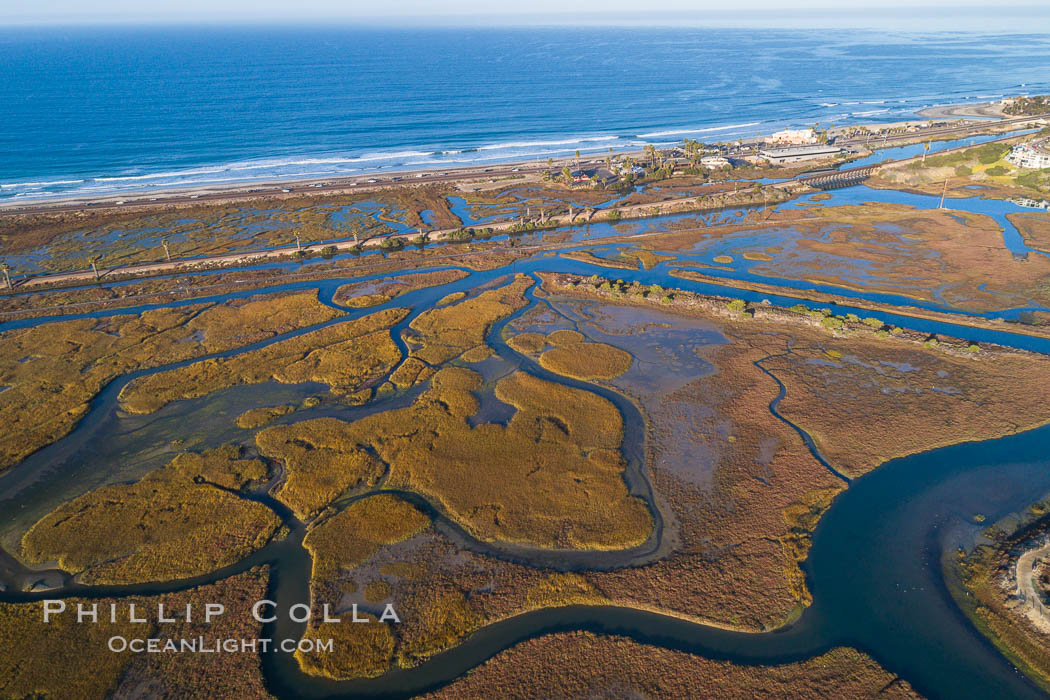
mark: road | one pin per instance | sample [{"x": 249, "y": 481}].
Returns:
[
  {"x": 367, "y": 183},
  {"x": 244, "y": 257}
]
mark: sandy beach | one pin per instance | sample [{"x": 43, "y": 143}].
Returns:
[{"x": 481, "y": 175}]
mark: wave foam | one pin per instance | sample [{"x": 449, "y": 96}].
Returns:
[
  {"x": 50, "y": 183},
  {"x": 535, "y": 144},
  {"x": 677, "y": 132}
]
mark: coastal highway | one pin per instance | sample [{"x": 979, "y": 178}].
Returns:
[
  {"x": 882, "y": 141},
  {"x": 63, "y": 279},
  {"x": 373, "y": 181}
]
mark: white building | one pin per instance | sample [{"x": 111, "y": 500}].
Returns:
[
  {"x": 797, "y": 153},
  {"x": 795, "y": 137},
  {"x": 1035, "y": 155},
  {"x": 714, "y": 162}
]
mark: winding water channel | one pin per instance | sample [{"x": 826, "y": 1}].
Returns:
[{"x": 876, "y": 568}]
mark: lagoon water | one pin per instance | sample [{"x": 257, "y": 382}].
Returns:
[{"x": 90, "y": 111}]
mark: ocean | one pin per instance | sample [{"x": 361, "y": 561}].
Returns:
[{"x": 93, "y": 111}]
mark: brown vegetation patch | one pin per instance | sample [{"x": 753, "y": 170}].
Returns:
[
  {"x": 1034, "y": 227},
  {"x": 950, "y": 257},
  {"x": 173, "y": 523},
  {"x": 478, "y": 353},
  {"x": 736, "y": 538},
  {"x": 552, "y": 477},
  {"x": 337, "y": 545},
  {"x": 528, "y": 343},
  {"x": 446, "y": 332},
  {"x": 647, "y": 258},
  {"x": 360, "y": 294},
  {"x": 585, "y": 665},
  {"x": 64, "y": 659},
  {"x": 565, "y": 338},
  {"x": 622, "y": 263},
  {"x": 258, "y": 417},
  {"x": 412, "y": 371},
  {"x": 883, "y": 398},
  {"x": 451, "y": 298},
  {"x": 355, "y": 533},
  {"x": 359, "y": 649},
  {"x": 322, "y": 459},
  {"x": 345, "y": 356},
  {"x": 587, "y": 361},
  {"x": 53, "y": 370}
]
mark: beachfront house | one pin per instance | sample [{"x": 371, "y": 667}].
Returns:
[{"x": 794, "y": 137}]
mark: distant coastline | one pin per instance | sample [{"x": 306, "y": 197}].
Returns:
[
  {"x": 170, "y": 110},
  {"x": 371, "y": 180}
]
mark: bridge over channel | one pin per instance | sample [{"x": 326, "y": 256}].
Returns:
[{"x": 837, "y": 178}]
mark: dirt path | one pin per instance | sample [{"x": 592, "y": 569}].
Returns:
[{"x": 1032, "y": 601}]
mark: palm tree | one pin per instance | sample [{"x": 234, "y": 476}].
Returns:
[
  {"x": 167, "y": 252},
  {"x": 94, "y": 265},
  {"x": 7, "y": 273},
  {"x": 650, "y": 151}
]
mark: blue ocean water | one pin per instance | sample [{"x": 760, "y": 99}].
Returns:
[{"x": 89, "y": 111}]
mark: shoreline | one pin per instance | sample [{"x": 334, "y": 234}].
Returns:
[{"x": 369, "y": 181}]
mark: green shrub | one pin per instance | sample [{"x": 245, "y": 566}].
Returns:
[
  {"x": 832, "y": 323},
  {"x": 393, "y": 243},
  {"x": 996, "y": 171},
  {"x": 328, "y": 252},
  {"x": 461, "y": 236},
  {"x": 873, "y": 322},
  {"x": 991, "y": 152},
  {"x": 1031, "y": 180},
  {"x": 964, "y": 171},
  {"x": 737, "y": 305}
]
